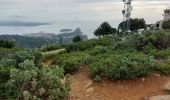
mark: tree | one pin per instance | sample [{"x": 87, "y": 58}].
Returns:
[
  {"x": 166, "y": 25},
  {"x": 6, "y": 44},
  {"x": 77, "y": 39},
  {"x": 104, "y": 29},
  {"x": 135, "y": 24}
]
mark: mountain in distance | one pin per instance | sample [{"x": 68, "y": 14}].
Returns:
[
  {"x": 27, "y": 42},
  {"x": 37, "y": 40},
  {"x": 67, "y": 37},
  {"x": 40, "y": 34}
]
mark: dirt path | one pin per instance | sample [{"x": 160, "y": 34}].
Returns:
[
  {"x": 54, "y": 51},
  {"x": 84, "y": 88}
]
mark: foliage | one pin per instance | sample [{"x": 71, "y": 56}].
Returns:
[
  {"x": 29, "y": 42},
  {"x": 34, "y": 83},
  {"x": 29, "y": 54},
  {"x": 90, "y": 44},
  {"x": 135, "y": 24},
  {"x": 163, "y": 54},
  {"x": 166, "y": 24},
  {"x": 5, "y": 66},
  {"x": 151, "y": 39},
  {"x": 121, "y": 66},
  {"x": 77, "y": 39},
  {"x": 6, "y": 44},
  {"x": 163, "y": 66},
  {"x": 70, "y": 61},
  {"x": 50, "y": 47},
  {"x": 104, "y": 29},
  {"x": 24, "y": 77}
]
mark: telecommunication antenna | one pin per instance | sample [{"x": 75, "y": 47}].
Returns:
[{"x": 126, "y": 15}]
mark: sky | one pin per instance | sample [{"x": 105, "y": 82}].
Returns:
[{"x": 30, "y": 16}]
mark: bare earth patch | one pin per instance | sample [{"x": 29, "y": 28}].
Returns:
[{"x": 83, "y": 88}]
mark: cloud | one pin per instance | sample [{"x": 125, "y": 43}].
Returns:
[
  {"x": 18, "y": 16},
  {"x": 23, "y": 23}
]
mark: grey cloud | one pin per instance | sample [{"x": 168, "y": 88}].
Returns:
[
  {"x": 18, "y": 16},
  {"x": 23, "y": 23}
]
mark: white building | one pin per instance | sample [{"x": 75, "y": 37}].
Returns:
[{"x": 158, "y": 24}]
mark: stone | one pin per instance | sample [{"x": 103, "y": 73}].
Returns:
[
  {"x": 167, "y": 87},
  {"x": 143, "y": 79},
  {"x": 145, "y": 98},
  {"x": 160, "y": 97},
  {"x": 90, "y": 90},
  {"x": 104, "y": 85},
  {"x": 89, "y": 84},
  {"x": 157, "y": 75},
  {"x": 87, "y": 95}
]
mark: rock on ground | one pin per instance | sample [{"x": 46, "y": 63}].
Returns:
[
  {"x": 89, "y": 84},
  {"x": 90, "y": 90},
  {"x": 167, "y": 87},
  {"x": 160, "y": 97}
]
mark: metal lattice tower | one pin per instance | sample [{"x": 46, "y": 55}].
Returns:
[{"x": 126, "y": 14}]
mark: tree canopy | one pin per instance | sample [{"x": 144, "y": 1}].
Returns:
[
  {"x": 135, "y": 24},
  {"x": 6, "y": 44},
  {"x": 77, "y": 39},
  {"x": 104, "y": 29},
  {"x": 166, "y": 25}
]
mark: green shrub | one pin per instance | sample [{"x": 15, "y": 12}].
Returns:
[
  {"x": 160, "y": 39},
  {"x": 98, "y": 50},
  {"x": 34, "y": 55},
  {"x": 121, "y": 66},
  {"x": 166, "y": 25},
  {"x": 5, "y": 66},
  {"x": 70, "y": 61},
  {"x": 90, "y": 44},
  {"x": 163, "y": 67},
  {"x": 6, "y": 44},
  {"x": 163, "y": 54},
  {"x": 24, "y": 77},
  {"x": 31, "y": 82}
]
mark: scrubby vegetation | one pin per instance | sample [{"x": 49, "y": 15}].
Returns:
[
  {"x": 115, "y": 57},
  {"x": 6, "y": 44},
  {"x": 136, "y": 24},
  {"x": 70, "y": 61},
  {"x": 24, "y": 77},
  {"x": 166, "y": 25}
]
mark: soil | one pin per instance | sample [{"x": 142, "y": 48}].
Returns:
[{"x": 137, "y": 89}]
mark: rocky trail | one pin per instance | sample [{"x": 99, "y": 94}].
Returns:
[
  {"x": 83, "y": 88},
  {"x": 155, "y": 87}
]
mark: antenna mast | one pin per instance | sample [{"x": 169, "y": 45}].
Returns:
[{"x": 126, "y": 15}]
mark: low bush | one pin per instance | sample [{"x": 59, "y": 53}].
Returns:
[
  {"x": 163, "y": 67},
  {"x": 25, "y": 78},
  {"x": 121, "y": 66},
  {"x": 163, "y": 54},
  {"x": 34, "y": 55},
  {"x": 98, "y": 50},
  {"x": 86, "y": 45},
  {"x": 70, "y": 61},
  {"x": 31, "y": 83},
  {"x": 6, "y": 44}
]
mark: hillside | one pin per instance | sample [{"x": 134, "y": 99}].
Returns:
[
  {"x": 98, "y": 69},
  {"x": 27, "y": 42},
  {"x": 37, "y": 40}
]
